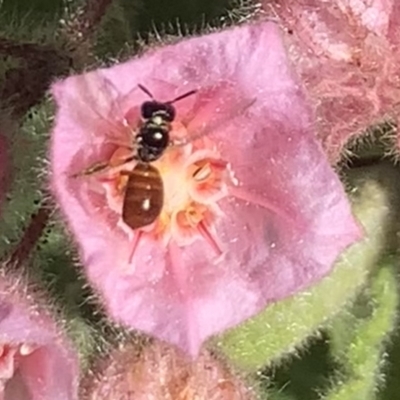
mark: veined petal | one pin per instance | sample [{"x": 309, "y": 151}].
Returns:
[{"x": 276, "y": 216}]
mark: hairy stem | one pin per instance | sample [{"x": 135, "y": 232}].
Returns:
[
  {"x": 25, "y": 86},
  {"x": 80, "y": 24},
  {"x": 30, "y": 237},
  {"x": 25, "y": 50}
]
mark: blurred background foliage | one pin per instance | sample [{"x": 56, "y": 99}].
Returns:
[{"x": 330, "y": 365}]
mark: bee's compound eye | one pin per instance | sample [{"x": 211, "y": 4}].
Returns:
[
  {"x": 170, "y": 112},
  {"x": 148, "y": 108}
]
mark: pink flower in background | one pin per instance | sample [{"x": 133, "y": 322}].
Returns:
[
  {"x": 347, "y": 53},
  {"x": 252, "y": 211},
  {"x": 159, "y": 372},
  {"x": 36, "y": 362}
]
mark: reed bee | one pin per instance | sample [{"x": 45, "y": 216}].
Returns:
[{"x": 144, "y": 192}]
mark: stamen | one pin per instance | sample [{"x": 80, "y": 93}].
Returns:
[
  {"x": 135, "y": 242},
  {"x": 202, "y": 173},
  {"x": 219, "y": 164},
  {"x": 194, "y": 215},
  {"x": 106, "y": 179},
  {"x": 26, "y": 349},
  {"x": 206, "y": 234}
]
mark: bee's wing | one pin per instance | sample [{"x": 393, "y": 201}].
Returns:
[
  {"x": 93, "y": 102},
  {"x": 214, "y": 108}
]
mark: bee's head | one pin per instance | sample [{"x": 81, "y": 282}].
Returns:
[{"x": 151, "y": 109}]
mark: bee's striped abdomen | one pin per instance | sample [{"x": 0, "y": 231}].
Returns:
[{"x": 144, "y": 196}]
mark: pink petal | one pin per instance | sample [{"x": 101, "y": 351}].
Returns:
[
  {"x": 282, "y": 227},
  {"x": 50, "y": 370}
]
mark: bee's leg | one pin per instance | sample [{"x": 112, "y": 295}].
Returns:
[
  {"x": 104, "y": 167},
  {"x": 117, "y": 142},
  {"x": 178, "y": 142},
  {"x": 186, "y": 140},
  {"x": 126, "y": 173},
  {"x": 97, "y": 167}
]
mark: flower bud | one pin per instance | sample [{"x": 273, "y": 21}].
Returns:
[
  {"x": 160, "y": 372},
  {"x": 347, "y": 55}
]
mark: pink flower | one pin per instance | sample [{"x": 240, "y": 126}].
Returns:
[
  {"x": 36, "y": 361},
  {"x": 252, "y": 211},
  {"x": 347, "y": 54}
]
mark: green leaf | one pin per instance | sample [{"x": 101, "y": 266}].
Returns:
[
  {"x": 285, "y": 325},
  {"x": 363, "y": 355}
]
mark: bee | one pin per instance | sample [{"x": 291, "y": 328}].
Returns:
[
  {"x": 144, "y": 194},
  {"x": 144, "y": 191}
]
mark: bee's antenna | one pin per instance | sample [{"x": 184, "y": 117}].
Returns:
[
  {"x": 147, "y": 91},
  {"x": 182, "y": 96}
]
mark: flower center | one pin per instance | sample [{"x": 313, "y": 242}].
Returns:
[{"x": 194, "y": 178}]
